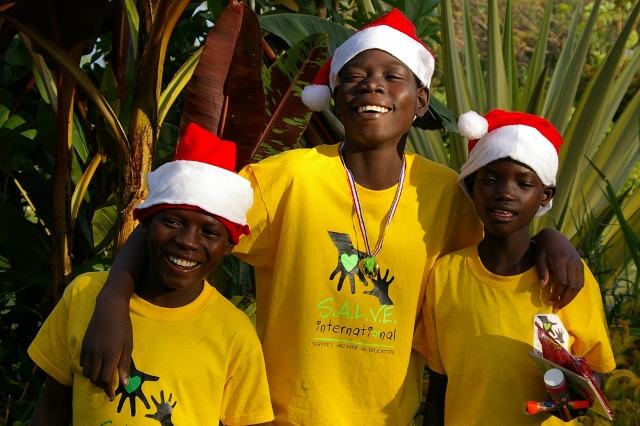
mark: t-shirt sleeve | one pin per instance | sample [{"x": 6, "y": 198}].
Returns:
[
  {"x": 50, "y": 349},
  {"x": 246, "y": 399},
  {"x": 254, "y": 248},
  {"x": 585, "y": 320},
  {"x": 467, "y": 229}
]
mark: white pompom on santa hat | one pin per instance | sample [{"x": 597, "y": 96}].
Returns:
[
  {"x": 392, "y": 33},
  {"x": 525, "y": 138},
  {"x": 201, "y": 177}
]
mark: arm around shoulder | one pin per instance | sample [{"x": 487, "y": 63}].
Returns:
[
  {"x": 555, "y": 253},
  {"x": 108, "y": 341},
  {"x": 54, "y": 405}
]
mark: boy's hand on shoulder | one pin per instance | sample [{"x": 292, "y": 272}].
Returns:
[
  {"x": 107, "y": 344},
  {"x": 556, "y": 254}
]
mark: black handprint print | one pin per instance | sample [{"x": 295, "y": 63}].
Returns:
[
  {"x": 381, "y": 289},
  {"x": 163, "y": 410},
  {"x": 134, "y": 389},
  {"x": 348, "y": 258}
]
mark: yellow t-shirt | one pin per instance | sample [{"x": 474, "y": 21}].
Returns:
[
  {"x": 199, "y": 363},
  {"x": 338, "y": 346},
  {"x": 480, "y": 330}
]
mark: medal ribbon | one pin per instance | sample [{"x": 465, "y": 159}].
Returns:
[{"x": 358, "y": 208}]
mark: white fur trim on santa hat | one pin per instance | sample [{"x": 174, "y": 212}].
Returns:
[
  {"x": 519, "y": 142},
  {"x": 396, "y": 43},
  {"x": 213, "y": 189},
  {"x": 316, "y": 97},
  {"x": 472, "y": 125}
]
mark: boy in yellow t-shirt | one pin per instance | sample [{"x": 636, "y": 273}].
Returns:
[
  {"x": 197, "y": 359},
  {"x": 481, "y": 301},
  {"x": 343, "y": 239}
]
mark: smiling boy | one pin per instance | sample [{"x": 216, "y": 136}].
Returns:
[
  {"x": 197, "y": 357},
  {"x": 343, "y": 239},
  {"x": 482, "y": 302}
]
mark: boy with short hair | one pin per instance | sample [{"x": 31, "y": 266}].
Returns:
[
  {"x": 482, "y": 301},
  {"x": 343, "y": 238},
  {"x": 197, "y": 359}
]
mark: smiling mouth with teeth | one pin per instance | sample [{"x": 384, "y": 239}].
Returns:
[
  {"x": 503, "y": 213},
  {"x": 372, "y": 108},
  {"x": 181, "y": 262}
]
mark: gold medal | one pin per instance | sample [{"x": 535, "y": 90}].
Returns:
[{"x": 369, "y": 267}]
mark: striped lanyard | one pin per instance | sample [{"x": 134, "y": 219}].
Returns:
[{"x": 369, "y": 266}]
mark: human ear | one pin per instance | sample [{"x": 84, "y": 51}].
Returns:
[
  {"x": 229, "y": 249},
  {"x": 334, "y": 95},
  {"x": 423, "y": 101},
  {"x": 547, "y": 194},
  {"x": 469, "y": 181}
]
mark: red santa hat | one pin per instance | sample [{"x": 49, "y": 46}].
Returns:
[
  {"x": 392, "y": 33},
  {"x": 525, "y": 138},
  {"x": 201, "y": 177}
]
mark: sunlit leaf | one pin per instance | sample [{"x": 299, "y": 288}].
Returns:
[
  {"x": 498, "y": 94},
  {"x": 177, "y": 83},
  {"x": 561, "y": 108},
  {"x": 104, "y": 224},
  {"x": 536, "y": 67},
  {"x": 286, "y": 116},
  {"x": 82, "y": 185},
  {"x": 6, "y": 100},
  {"x": 632, "y": 239}
]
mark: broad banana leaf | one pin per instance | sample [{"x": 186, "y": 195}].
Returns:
[
  {"x": 287, "y": 117},
  {"x": 293, "y": 28},
  {"x": 225, "y": 94},
  {"x": 104, "y": 227}
]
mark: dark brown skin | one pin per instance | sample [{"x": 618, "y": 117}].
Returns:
[
  {"x": 54, "y": 405},
  {"x": 374, "y": 144}
]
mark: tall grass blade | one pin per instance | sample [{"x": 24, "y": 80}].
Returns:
[
  {"x": 537, "y": 66},
  {"x": 584, "y": 133},
  {"x": 632, "y": 240},
  {"x": 562, "y": 106},
  {"x": 474, "y": 73},
  {"x": 498, "y": 95},
  {"x": 509, "y": 54}
]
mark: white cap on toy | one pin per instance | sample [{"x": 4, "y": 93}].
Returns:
[
  {"x": 526, "y": 138},
  {"x": 201, "y": 177},
  {"x": 392, "y": 33}
]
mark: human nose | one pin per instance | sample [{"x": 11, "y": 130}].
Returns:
[
  {"x": 504, "y": 191},
  {"x": 187, "y": 238},
  {"x": 372, "y": 83}
]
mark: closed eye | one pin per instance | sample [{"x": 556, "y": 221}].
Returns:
[
  {"x": 171, "y": 223},
  {"x": 211, "y": 233}
]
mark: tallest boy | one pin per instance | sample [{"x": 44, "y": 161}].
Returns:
[{"x": 343, "y": 239}]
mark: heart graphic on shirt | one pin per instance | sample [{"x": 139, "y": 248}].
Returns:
[
  {"x": 349, "y": 261},
  {"x": 134, "y": 383}
]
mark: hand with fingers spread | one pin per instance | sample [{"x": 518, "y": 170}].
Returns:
[{"x": 556, "y": 255}]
